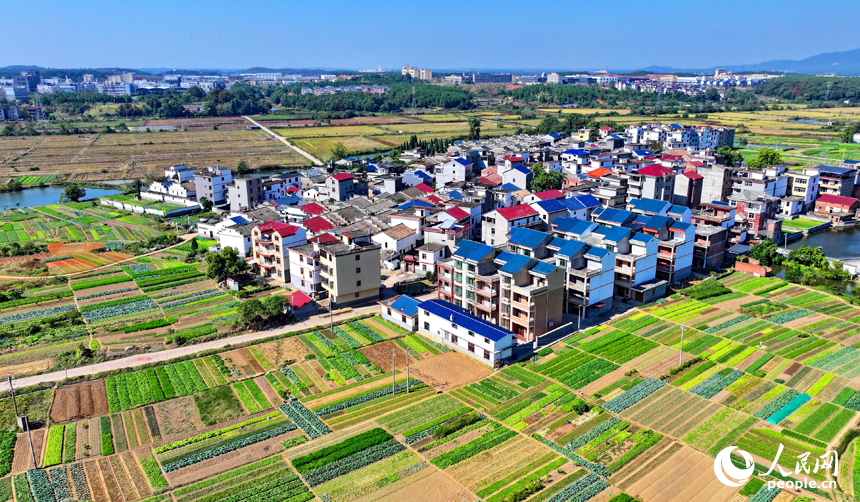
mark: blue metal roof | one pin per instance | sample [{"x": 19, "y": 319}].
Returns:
[
  {"x": 465, "y": 247},
  {"x": 720, "y": 203},
  {"x": 640, "y": 237},
  {"x": 521, "y": 169},
  {"x": 551, "y": 205},
  {"x": 619, "y": 216},
  {"x": 642, "y": 219},
  {"x": 288, "y": 201},
  {"x": 464, "y": 319},
  {"x": 571, "y": 204},
  {"x": 643, "y": 153},
  {"x": 657, "y": 222},
  {"x": 543, "y": 268},
  {"x": 455, "y": 195},
  {"x": 515, "y": 263},
  {"x": 527, "y": 237},
  {"x": 239, "y": 220},
  {"x": 835, "y": 169},
  {"x": 573, "y": 225},
  {"x": 587, "y": 200},
  {"x": 415, "y": 203},
  {"x": 680, "y": 225},
  {"x": 371, "y": 168},
  {"x": 554, "y": 135},
  {"x": 650, "y": 205},
  {"x": 613, "y": 234},
  {"x": 406, "y": 305},
  {"x": 571, "y": 248},
  {"x": 596, "y": 252},
  {"x": 575, "y": 152},
  {"x": 675, "y": 209},
  {"x": 462, "y": 161},
  {"x": 510, "y": 187}
]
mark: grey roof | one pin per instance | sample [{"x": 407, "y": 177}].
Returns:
[{"x": 431, "y": 246}]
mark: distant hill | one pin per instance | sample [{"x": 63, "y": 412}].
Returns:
[{"x": 841, "y": 63}]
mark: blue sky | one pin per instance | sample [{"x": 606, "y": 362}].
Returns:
[{"x": 435, "y": 34}]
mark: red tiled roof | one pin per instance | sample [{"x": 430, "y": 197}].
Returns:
[
  {"x": 312, "y": 209},
  {"x": 549, "y": 194},
  {"x": 693, "y": 175},
  {"x": 324, "y": 238},
  {"x": 435, "y": 199},
  {"x": 317, "y": 224},
  {"x": 513, "y": 158},
  {"x": 282, "y": 229},
  {"x": 424, "y": 188},
  {"x": 518, "y": 211},
  {"x": 457, "y": 213},
  {"x": 669, "y": 157},
  {"x": 299, "y": 299},
  {"x": 836, "y": 200},
  {"x": 655, "y": 170},
  {"x": 293, "y": 189},
  {"x": 342, "y": 176},
  {"x": 606, "y": 128},
  {"x": 599, "y": 172},
  {"x": 486, "y": 181}
]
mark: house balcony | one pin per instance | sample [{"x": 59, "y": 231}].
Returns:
[
  {"x": 263, "y": 251},
  {"x": 267, "y": 264},
  {"x": 489, "y": 307}
]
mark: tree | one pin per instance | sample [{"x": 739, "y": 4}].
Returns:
[
  {"x": 809, "y": 256},
  {"x": 766, "y": 252},
  {"x": 205, "y": 204},
  {"x": 275, "y": 305},
  {"x": 242, "y": 168},
  {"x": 338, "y": 151},
  {"x": 227, "y": 263},
  {"x": 194, "y": 246},
  {"x": 73, "y": 193},
  {"x": 656, "y": 147},
  {"x": 545, "y": 180},
  {"x": 474, "y": 129},
  {"x": 766, "y": 157},
  {"x": 249, "y": 312},
  {"x": 731, "y": 157}
]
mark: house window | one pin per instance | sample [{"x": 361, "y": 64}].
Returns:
[
  {"x": 453, "y": 339},
  {"x": 358, "y": 283},
  {"x": 486, "y": 354},
  {"x": 389, "y": 311},
  {"x": 454, "y": 325},
  {"x": 357, "y": 257},
  {"x": 426, "y": 326},
  {"x": 403, "y": 318},
  {"x": 303, "y": 283},
  {"x": 471, "y": 347},
  {"x": 426, "y": 313},
  {"x": 356, "y": 295},
  {"x": 486, "y": 340},
  {"x": 471, "y": 333}
]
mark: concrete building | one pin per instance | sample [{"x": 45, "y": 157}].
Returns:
[
  {"x": 836, "y": 208},
  {"x": 350, "y": 270},
  {"x": 179, "y": 173},
  {"x": 245, "y": 193},
  {"x": 652, "y": 182},
  {"x": 305, "y": 269},
  {"x": 804, "y": 184},
  {"x": 835, "y": 180},
  {"x": 757, "y": 212},
  {"x": 344, "y": 186},
  {"x": 8, "y": 112},
  {"x": 397, "y": 239},
  {"x": 717, "y": 182},
  {"x": 496, "y": 224},
  {"x": 212, "y": 183},
  {"x": 458, "y": 169},
  {"x": 402, "y": 310},
  {"x": 455, "y": 328},
  {"x": 769, "y": 181},
  {"x": 272, "y": 241},
  {"x": 710, "y": 247},
  {"x": 688, "y": 189}
]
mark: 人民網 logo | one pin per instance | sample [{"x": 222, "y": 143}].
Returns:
[{"x": 727, "y": 472}]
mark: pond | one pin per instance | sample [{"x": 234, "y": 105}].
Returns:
[
  {"x": 805, "y": 121},
  {"x": 33, "y": 197},
  {"x": 836, "y": 243}
]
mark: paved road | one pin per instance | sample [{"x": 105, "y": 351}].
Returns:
[
  {"x": 283, "y": 140},
  {"x": 164, "y": 355}
]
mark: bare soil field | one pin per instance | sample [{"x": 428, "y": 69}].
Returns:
[
  {"x": 201, "y": 123},
  {"x": 380, "y": 355},
  {"x": 448, "y": 370},
  {"x": 26, "y": 368},
  {"x": 126, "y": 156},
  {"x": 428, "y": 485},
  {"x": 177, "y": 417},
  {"x": 80, "y": 400},
  {"x": 688, "y": 475},
  {"x": 94, "y": 480},
  {"x": 22, "y": 460}
]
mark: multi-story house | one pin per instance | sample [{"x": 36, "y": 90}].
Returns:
[
  {"x": 179, "y": 173},
  {"x": 717, "y": 182},
  {"x": 470, "y": 279},
  {"x": 612, "y": 192},
  {"x": 344, "y": 186},
  {"x": 769, "y": 181},
  {"x": 455, "y": 327},
  {"x": 498, "y": 223},
  {"x": 713, "y": 138},
  {"x": 305, "y": 269},
  {"x": 651, "y": 182},
  {"x": 212, "y": 183},
  {"x": 590, "y": 275},
  {"x": 758, "y": 213},
  {"x": 835, "y": 180},
  {"x": 271, "y": 242},
  {"x": 688, "y": 189},
  {"x": 532, "y": 294},
  {"x": 720, "y": 215},
  {"x": 429, "y": 255},
  {"x": 245, "y": 193},
  {"x": 349, "y": 271},
  {"x": 675, "y": 242},
  {"x": 804, "y": 184},
  {"x": 710, "y": 246},
  {"x": 458, "y": 169}
]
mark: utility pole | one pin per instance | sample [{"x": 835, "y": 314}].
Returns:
[
  {"x": 579, "y": 318},
  {"x": 681, "y": 354},
  {"x": 407, "y": 370},
  {"x": 330, "y": 313},
  {"x": 393, "y": 375},
  {"x": 25, "y": 421}
]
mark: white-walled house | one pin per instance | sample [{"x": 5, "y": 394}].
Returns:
[
  {"x": 305, "y": 269},
  {"x": 397, "y": 238},
  {"x": 456, "y": 328},
  {"x": 402, "y": 310}
]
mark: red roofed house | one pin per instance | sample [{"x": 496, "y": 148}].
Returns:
[
  {"x": 688, "y": 189},
  {"x": 312, "y": 209},
  {"x": 836, "y": 207},
  {"x": 317, "y": 225},
  {"x": 606, "y": 131},
  {"x": 545, "y": 195},
  {"x": 424, "y": 188},
  {"x": 651, "y": 182},
  {"x": 599, "y": 172},
  {"x": 302, "y": 305},
  {"x": 497, "y": 224},
  {"x": 271, "y": 240},
  {"x": 344, "y": 186}
]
